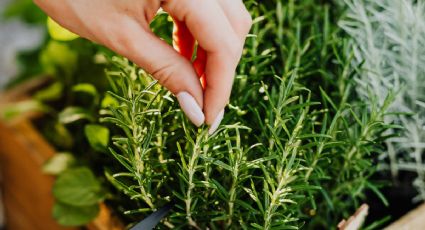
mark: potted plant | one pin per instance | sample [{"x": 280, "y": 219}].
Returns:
[{"x": 298, "y": 148}]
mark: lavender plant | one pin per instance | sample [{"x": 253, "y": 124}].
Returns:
[{"x": 388, "y": 39}]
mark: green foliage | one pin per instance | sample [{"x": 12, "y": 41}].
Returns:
[
  {"x": 26, "y": 10},
  {"x": 263, "y": 176},
  {"x": 16, "y": 109},
  {"x": 58, "y": 163},
  {"x": 85, "y": 88},
  {"x": 59, "y": 33},
  {"x": 78, "y": 187},
  {"x": 72, "y": 114},
  {"x": 52, "y": 92},
  {"x": 68, "y": 215},
  {"x": 69, "y": 100},
  {"x": 387, "y": 38},
  {"x": 58, "y": 134},
  {"x": 295, "y": 149},
  {"x": 58, "y": 56},
  {"x": 78, "y": 194},
  {"x": 341, "y": 136},
  {"x": 97, "y": 136}
]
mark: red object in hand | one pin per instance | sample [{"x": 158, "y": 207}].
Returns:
[{"x": 184, "y": 43}]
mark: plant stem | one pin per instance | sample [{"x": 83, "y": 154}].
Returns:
[
  {"x": 193, "y": 163},
  {"x": 139, "y": 161},
  {"x": 232, "y": 193}
]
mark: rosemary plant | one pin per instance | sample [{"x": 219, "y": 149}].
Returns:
[
  {"x": 295, "y": 149},
  {"x": 295, "y": 155},
  {"x": 160, "y": 166},
  {"x": 388, "y": 38},
  {"x": 340, "y": 137}
]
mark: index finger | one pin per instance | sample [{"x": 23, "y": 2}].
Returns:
[{"x": 209, "y": 25}]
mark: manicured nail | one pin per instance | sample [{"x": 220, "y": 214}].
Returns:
[
  {"x": 216, "y": 122},
  {"x": 191, "y": 108}
]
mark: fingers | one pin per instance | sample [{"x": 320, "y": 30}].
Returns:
[
  {"x": 183, "y": 41},
  {"x": 209, "y": 25},
  {"x": 238, "y": 16},
  {"x": 220, "y": 27},
  {"x": 124, "y": 28},
  {"x": 241, "y": 22},
  {"x": 172, "y": 70}
]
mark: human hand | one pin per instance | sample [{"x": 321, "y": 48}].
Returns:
[{"x": 219, "y": 27}]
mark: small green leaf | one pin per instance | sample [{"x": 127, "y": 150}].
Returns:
[
  {"x": 256, "y": 226},
  {"x": 58, "y": 134},
  {"x": 98, "y": 137},
  {"x": 72, "y": 114},
  {"x": 109, "y": 100},
  {"x": 78, "y": 187},
  {"x": 68, "y": 215},
  {"x": 58, "y": 163},
  {"x": 217, "y": 162},
  {"x": 59, "y": 33},
  {"x": 11, "y": 111},
  {"x": 50, "y": 93},
  {"x": 57, "y": 57},
  {"x": 85, "y": 88}
]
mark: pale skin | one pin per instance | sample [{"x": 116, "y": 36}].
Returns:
[{"x": 218, "y": 26}]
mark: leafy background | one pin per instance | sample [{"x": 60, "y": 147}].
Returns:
[{"x": 299, "y": 147}]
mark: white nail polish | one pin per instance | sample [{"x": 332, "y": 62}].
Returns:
[
  {"x": 191, "y": 108},
  {"x": 216, "y": 123}
]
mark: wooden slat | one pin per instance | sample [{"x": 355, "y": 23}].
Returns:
[
  {"x": 22, "y": 90},
  {"x": 413, "y": 220},
  {"x": 355, "y": 221},
  {"x": 22, "y": 93},
  {"x": 27, "y": 191}
]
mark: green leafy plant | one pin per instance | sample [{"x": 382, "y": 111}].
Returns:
[
  {"x": 295, "y": 150},
  {"x": 387, "y": 38},
  {"x": 275, "y": 158},
  {"x": 77, "y": 191}
]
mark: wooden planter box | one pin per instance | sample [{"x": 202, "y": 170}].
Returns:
[{"x": 26, "y": 190}]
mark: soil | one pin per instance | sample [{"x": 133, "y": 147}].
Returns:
[{"x": 399, "y": 194}]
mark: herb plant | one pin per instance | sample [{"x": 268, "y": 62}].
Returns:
[
  {"x": 296, "y": 148},
  {"x": 72, "y": 93},
  {"x": 388, "y": 39},
  {"x": 292, "y": 154}
]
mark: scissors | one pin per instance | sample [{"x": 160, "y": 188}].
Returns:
[{"x": 153, "y": 219}]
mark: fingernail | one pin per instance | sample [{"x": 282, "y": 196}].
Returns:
[
  {"x": 216, "y": 122},
  {"x": 191, "y": 108}
]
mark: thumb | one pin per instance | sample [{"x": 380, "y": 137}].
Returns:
[{"x": 166, "y": 65}]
